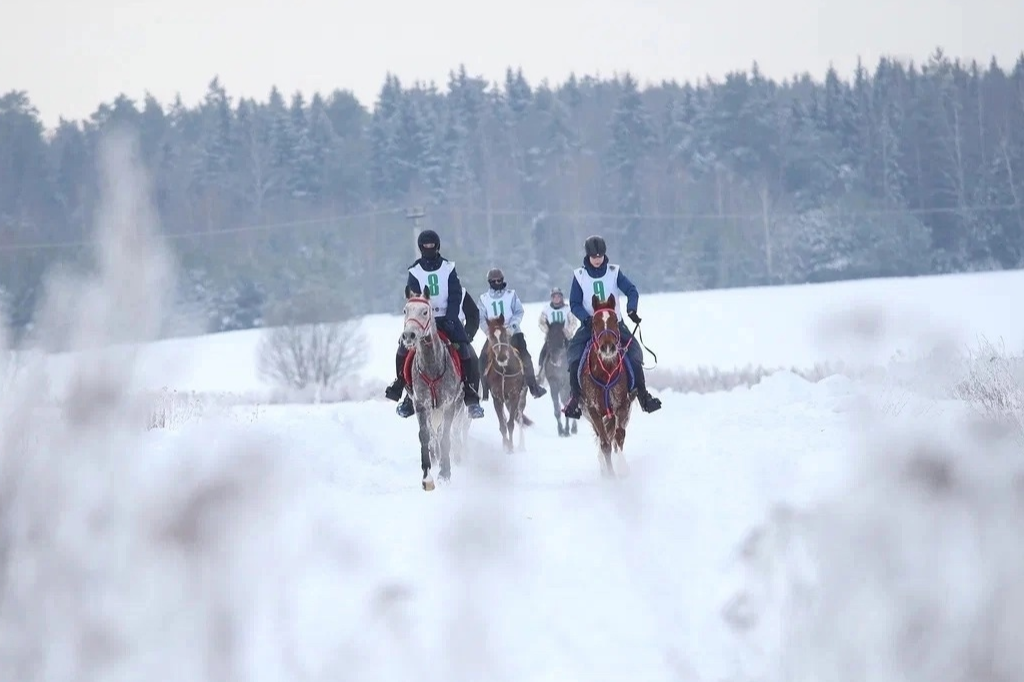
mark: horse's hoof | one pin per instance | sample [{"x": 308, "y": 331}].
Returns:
[{"x": 428, "y": 484}]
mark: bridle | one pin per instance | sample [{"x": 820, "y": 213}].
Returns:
[
  {"x": 492, "y": 345},
  {"x": 611, "y": 330},
  {"x": 424, "y": 326}
]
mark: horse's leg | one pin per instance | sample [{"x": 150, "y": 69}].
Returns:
[
  {"x": 556, "y": 393},
  {"x": 510, "y": 419},
  {"x": 445, "y": 466},
  {"x": 461, "y": 429},
  {"x": 499, "y": 412},
  {"x": 604, "y": 456},
  {"x": 621, "y": 465},
  {"x": 510, "y": 423},
  {"x": 522, "y": 418},
  {"x": 422, "y": 418}
]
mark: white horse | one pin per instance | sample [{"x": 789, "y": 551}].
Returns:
[{"x": 435, "y": 385}]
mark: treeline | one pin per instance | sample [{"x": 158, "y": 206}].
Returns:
[{"x": 295, "y": 207}]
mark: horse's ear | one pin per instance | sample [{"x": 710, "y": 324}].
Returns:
[
  {"x": 426, "y": 293},
  {"x": 501, "y": 319},
  {"x": 408, "y": 293},
  {"x": 595, "y": 301},
  {"x": 611, "y": 301}
]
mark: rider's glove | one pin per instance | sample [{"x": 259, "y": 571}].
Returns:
[{"x": 633, "y": 316}]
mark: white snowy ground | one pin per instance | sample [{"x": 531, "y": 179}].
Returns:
[
  {"x": 531, "y": 567},
  {"x": 842, "y": 530},
  {"x": 294, "y": 543}
]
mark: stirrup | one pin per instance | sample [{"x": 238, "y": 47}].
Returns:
[
  {"x": 405, "y": 408},
  {"x": 572, "y": 409},
  {"x": 648, "y": 403}
]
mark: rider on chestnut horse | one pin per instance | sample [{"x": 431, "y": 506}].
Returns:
[
  {"x": 500, "y": 300},
  {"x": 435, "y": 273},
  {"x": 601, "y": 278}
]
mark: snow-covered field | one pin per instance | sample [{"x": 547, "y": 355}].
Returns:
[
  {"x": 860, "y": 323},
  {"x": 787, "y": 531}
]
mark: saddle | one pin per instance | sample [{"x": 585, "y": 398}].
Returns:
[{"x": 452, "y": 350}]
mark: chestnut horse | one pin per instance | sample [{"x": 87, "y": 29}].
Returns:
[
  {"x": 605, "y": 378},
  {"x": 434, "y": 376},
  {"x": 506, "y": 380}
]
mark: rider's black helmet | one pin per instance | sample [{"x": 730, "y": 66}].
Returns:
[
  {"x": 496, "y": 279},
  {"x": 595, "y": 246},
  {"x": 429, "y": 237}
]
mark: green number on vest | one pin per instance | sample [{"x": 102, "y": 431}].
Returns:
[
  {"x": 433, "y": 286},
  {"x": 558, "y": 317},
  {"x": 498, "y": 307},
  {"x": 599, "y": 290}
]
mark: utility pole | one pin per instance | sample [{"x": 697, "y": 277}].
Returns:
[{"x": 414, "y": 214}]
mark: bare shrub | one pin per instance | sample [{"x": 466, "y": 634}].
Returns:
[
  {"x": 712, "y": 379},
  {"x": 317, "y": 356},
  {"x": 170, "y": 408},
  {"x": 992, "y": 384}
]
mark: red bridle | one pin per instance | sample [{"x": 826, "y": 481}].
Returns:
[{"x": 419, "y": 299}]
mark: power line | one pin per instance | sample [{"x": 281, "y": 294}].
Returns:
[
  {"x": 531, "y": 215},
  {"x": 263, "y": 227}
]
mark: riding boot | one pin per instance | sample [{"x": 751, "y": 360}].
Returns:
[
  {"x": 470, "y": 375},
  {"x": 572, "y": 408},
  {"x": 397, "y": 388},
  {"x": 648, "y": 403},
  {"x": 531, "y": 378}
]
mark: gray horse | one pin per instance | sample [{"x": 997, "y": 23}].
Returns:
[
  {"x": 556, "y": 372},
  {"x": 434, "y": 383}
]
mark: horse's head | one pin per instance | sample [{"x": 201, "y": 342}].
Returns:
[
  {"x": 499, "y": 340},
  {"x": 555, "y": 335},
  {"x": 605, "y": 328},
  {"x": 419, "y": 319}
]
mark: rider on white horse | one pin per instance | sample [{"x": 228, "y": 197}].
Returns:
[
  {"x": 500, "y": 300},
  {"x": 601, "y": 278},
  {"x": 555, "y": 313},
  {"x": 435, "y": 273}
]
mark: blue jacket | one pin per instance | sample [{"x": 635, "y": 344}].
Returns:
[
  {"x": 625, "y": 286},
  {"x": 454, "y": 285}
]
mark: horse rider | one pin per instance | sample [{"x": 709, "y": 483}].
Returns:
[
  {"x": 598, "y": 276},
  {"x": 434, "y": 273},
  {"x": 554, "y": 313},
  {"x": 499, "y": 300}
]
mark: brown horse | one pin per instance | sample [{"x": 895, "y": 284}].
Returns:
[
  {"x": 506, "y": 380},
  {"x": 606, "y": 399}
]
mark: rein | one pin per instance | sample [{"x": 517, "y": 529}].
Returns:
[{"x": 492, "y": 359}]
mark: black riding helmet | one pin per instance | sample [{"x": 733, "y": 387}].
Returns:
[
  {"x": 595, "y": 246},
  {"x": 496, "y": 279},
  {"x": 429, "y": 237}
]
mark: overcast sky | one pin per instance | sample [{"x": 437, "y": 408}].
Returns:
[{"x": 70, "y": 55}]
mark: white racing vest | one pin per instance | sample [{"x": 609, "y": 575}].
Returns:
[
  {"x": 557, "y": 315},
  {"x": 604, "y": 286},
  {"x": 498, "y": 305},
  {"x": 436, "y": 283}
]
